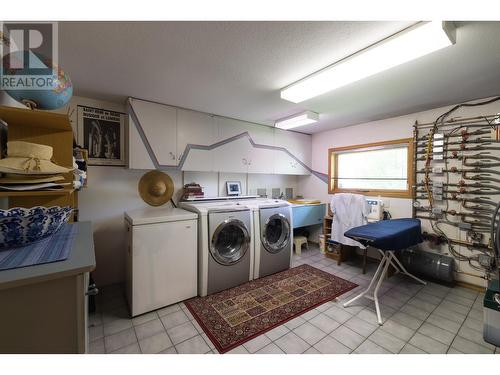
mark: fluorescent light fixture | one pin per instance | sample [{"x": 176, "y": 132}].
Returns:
[
  {"x": 297, "y": 120},
  {"x": 409, "y": 44}
]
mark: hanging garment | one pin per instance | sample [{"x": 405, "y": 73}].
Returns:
[{"x": 349, "y": 211}]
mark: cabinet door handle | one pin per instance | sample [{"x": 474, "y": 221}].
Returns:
[{"x": 172, "y": 155}]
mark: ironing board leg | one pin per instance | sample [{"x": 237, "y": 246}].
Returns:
[
  {"x": 388, "y": 258},
  {"x": 377, "y": 287},
  {"x": 406, "y": 272},
  {"x": 374, "y": 278}
]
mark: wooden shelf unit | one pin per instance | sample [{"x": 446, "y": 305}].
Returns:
[
  {"x": 47, "y": 128},
  {"x": 342, "y": 252}
]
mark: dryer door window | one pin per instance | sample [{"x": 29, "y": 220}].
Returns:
[
  {"x": 230, "y": 242},
  {"x": 276, "y": 233}
]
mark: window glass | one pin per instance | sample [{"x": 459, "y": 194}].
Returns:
[{"x": 375, "y": 169}]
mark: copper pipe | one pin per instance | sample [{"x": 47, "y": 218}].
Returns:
[
  {"x": 463, "y": 134},
  {"x": 455, "y": 213},
  {"x": 474, "y": 148},
  {"x": 472, "y": 200},
  {"x": 464, "y": 191},
  {"x": 476, "y": 226},
  {"x": 478, "y": 245},
  {"x": 464, "y": 121},
  {"x": 475, "y": 170},
  {"x": 464, "y": 141},
  {"x": 462, "y": 184},
  {"x": 476, "y": 208},
  {"x": 456, "y": 156}
]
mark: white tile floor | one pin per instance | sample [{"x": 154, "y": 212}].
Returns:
[{"x": 417, "y": 319}]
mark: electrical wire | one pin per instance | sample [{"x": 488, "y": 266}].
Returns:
[{"x": 495, "y": 233}]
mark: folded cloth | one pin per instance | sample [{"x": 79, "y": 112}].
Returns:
[
  {"x": 395, "y": 234},
  {"x": 349, "y": 211}
]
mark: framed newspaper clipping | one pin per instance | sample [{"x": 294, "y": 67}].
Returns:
[{"x": 102, "y": 133}]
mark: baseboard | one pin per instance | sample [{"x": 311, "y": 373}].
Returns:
[{"x": 476, "y": 288}]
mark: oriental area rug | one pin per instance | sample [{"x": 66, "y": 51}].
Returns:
[{"x": 237, "y": 315}]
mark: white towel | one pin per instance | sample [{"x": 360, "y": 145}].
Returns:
[{"x": 349, "y": 211}]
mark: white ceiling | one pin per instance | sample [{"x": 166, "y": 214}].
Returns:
[{"x": 236, "y": 69}]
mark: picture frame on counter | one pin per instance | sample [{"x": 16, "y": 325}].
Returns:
[
  {"x": 102, "y": 133},
  {"x": 233, "y": 188}
]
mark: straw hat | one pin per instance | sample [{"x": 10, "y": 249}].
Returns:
[
  {"x": 30, "y": 159},
  {"x": 26, "y": 179},
  {"x": 156, "y": 188}
]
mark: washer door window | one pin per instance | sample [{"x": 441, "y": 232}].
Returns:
[
  {"x": 230, "y": 242},
  {"x": 276, "y": 233}
]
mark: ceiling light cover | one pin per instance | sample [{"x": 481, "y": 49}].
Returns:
[
  {"x": 297, "y": 120},
  {"x": 419, "y": 40}
]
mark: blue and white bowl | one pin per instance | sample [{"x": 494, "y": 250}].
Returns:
[{"x": 22, "y": 226}]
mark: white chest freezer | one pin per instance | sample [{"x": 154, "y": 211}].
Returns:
[{"x": 161, "y": 257}]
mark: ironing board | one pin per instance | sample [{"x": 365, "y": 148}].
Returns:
[{"x": 387, "y": 236}]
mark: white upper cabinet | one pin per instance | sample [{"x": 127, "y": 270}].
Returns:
[
  {"x": 258, "y": 133},
  {"x": 195, "y": 129},
  {"x": 254, "y": 159},
  {"x": 286, "y": 164},
  {"x": 159, "y": 124},
  {"x": 139, "y": 157},
  {"x": 297, "y": 144},
  {"x": 232, "y": 156},
  {"x": 195, "y": 141}
]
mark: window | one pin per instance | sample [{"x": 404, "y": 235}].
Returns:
[{"x": 383, "y": 168}]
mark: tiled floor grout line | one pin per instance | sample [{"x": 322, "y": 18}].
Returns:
[
  {"x": 166, "y": 331},
  {"x": 353, "y": 315},
  {"x": 380, "y": 326},
  {"x": 346, "y": 273},
  {"x": 136, "y": 337},
  {"x": 424, "y": 321},
  {"x": 180, "y": 342},
  {"x": 466, "y": 316},
  {"x": 461, "y": 325}
]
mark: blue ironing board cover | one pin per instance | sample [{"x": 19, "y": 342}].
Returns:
[{"x": 396, "y": 234}]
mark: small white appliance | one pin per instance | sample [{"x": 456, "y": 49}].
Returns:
[
  {"x": 376, "y": 209},
  {"x": 225, "y": 244},
  {"x": 161, "y": 257},
  {"x": 273, "y": 235}
]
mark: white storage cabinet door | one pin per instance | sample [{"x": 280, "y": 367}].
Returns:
[
  {"x": 138, "y": 156},
  {"x": 159, "y": 123},
  {"x": 196, "y": 128},
  {"x": 240, "y": 155},
  {"x": 164, "y": 264},
  {"x": 299, "y": 145}
]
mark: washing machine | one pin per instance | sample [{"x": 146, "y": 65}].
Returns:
[
  {"x": 273, "y": 235},
  {"x": 225, "y": 244}
]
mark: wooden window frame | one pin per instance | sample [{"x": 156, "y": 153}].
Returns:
[{"x": 333, "y": 169}]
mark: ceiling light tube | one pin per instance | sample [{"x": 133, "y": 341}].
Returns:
[
  {"x": 297, "y": 120},
  {"x": 409, "y": 44}
]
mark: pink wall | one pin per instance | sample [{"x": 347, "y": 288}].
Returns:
[{"x": 382, "y": 130}]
